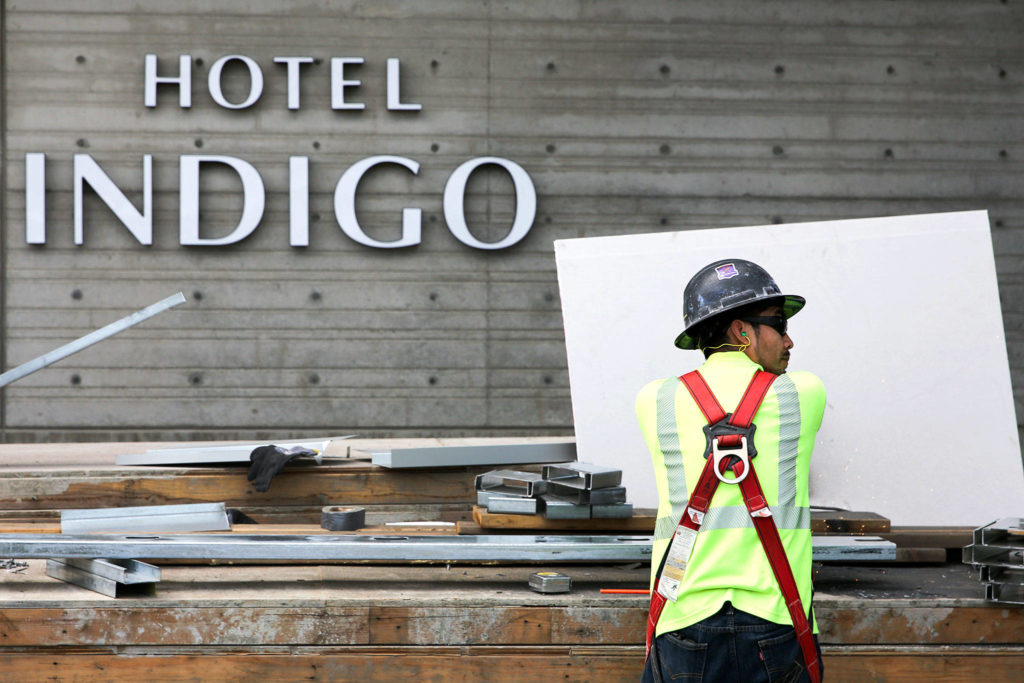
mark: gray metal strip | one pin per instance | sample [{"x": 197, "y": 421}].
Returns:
[
  {"x": 88, "y": 340},
  {"x": 789, "y": 438},
  {"x": 512, "y": 505},
  {"x": 614, "y": 511},
  {"x": 488, "y": 548},
  {"x": 62, "y": 571},
  {"x": 333, "y": 547},
  {"x": 668, "y": 442},
  {"x": 217, "y": 454},
  {"x": 151, "y": 518},
  {"x": 852, "y": 548},
  {"x": 469, "y": 456}
]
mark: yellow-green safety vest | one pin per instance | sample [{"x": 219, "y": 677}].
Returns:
[{"x": 728, "y": 562}]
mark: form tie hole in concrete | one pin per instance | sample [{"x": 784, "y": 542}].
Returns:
[{"x": 76, "y": 294}]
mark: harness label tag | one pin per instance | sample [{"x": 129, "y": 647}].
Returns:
[{"x": 679, "y": 551}]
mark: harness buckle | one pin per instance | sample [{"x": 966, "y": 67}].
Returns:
[{"x": 733, "y": 454}]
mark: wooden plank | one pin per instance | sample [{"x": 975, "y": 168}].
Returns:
[
  {"x": 913, "y": 664},
  {"x": 455, "y": 664},
  {"x": 848, "y": 522},
  {"x": 869, "y": 622},
  {"x": 929, "y": 537},
  {"x": 344, "y": 484},
  {"x": 462, "y": 626},
  {"x": 475, "y": 664},
  {"x": 436, "y": 606},
  {"x": 822, "y": 521},
  {"x": 488, "y": 520}
]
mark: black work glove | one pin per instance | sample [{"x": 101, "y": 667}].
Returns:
[{"x": 267, "y": 461}]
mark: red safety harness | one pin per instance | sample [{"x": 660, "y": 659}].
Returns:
[{"x": 730, "y": 439}]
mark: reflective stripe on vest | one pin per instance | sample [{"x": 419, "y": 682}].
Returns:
[{"x": 787, "y": 514}]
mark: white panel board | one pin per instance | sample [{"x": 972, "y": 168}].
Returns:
[{"x": 902, "y": 324}]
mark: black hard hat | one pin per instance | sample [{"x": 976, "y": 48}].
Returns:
[{"x": 724, "y": 285}]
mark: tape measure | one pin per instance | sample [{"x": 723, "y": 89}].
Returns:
[
  {"x": 550, "y": 582},
  {"x": 336, "y": 518}
]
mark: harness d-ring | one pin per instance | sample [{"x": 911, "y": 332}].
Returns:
[{"x": 738, "y": 452}]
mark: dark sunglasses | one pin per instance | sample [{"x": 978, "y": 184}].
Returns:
[{"x": 776, "y": 322}]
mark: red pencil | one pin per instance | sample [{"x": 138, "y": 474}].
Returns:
[{"x": 627, "y": 591}]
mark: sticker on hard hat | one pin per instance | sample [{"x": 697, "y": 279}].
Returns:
[{"x": 727, "y": 271}]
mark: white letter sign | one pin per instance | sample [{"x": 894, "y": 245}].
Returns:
[
  {"x": 252, "y": 198},
  {"x": 454, "y": 204}
]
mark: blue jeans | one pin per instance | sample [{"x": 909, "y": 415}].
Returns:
[{"x": 728, "y": 646}]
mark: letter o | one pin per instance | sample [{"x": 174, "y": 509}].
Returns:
[
  {"x": 255, "y": 82},
  {"x": 454, "y": 203}
]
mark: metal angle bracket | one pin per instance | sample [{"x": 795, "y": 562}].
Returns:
[
  {"x": 1002, "y": 530},
  {"x": 606, "y": 496},
  {"x": 583, "y": 475},
  {"x": 512, "y": 481},
  {"x": 147, "y": 518},
  {"x": 107, "y": 577}
]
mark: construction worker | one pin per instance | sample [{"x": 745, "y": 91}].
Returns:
[{"x": 729, "y": 620}]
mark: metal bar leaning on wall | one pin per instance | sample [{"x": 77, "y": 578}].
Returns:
[{"x": 88, "y": 340}]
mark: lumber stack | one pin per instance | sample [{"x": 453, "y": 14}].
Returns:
[{"x": 220, "y": 621}]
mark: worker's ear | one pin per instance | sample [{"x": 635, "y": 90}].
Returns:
[{"x": 737, "y": 332}]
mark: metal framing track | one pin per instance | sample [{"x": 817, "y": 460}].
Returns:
[{"x": 484, "y": 548}]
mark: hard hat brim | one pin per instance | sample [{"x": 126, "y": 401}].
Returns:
[{"x": 791, "y": 305}]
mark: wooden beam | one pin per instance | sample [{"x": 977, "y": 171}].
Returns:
[
  {"x": 848, "y": 522},
  {"x": 584, "y": 664},
  {"x": 349, "y": 483},
  {"x": 489, "y": 520},
  {"x": 474, "y": 622},
  {"x": 822, "y": 521}
]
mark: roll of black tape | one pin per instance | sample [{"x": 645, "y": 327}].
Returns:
[{"x": 336, "y": 518}]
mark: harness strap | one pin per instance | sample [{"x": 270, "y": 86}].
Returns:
[{"x": 754, "y": 499}]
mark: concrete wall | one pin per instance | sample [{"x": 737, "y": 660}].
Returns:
[{"x": 629, "y": 117}]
